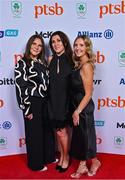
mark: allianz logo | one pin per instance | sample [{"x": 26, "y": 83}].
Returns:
[
  {"x": 108, "y": 34},
  {"x": 99, "y": 123},
  {"x": 121, "y": 125},
  {"x": 6, "y": 125}
]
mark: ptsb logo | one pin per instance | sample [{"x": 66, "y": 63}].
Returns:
[
  {"x": 1, "y": 103},
  {"x": 108, "y": 34},
  {"x": 17, "y": 57},
  {"x": 112, "y": 9},
  {"x": 98, "y": 140},
  {"x": 22, "y": 142},
  {"x": 9, "y": 33},
  {"x": 111, "y": 103},
  {"x": 48, "y": 10}
]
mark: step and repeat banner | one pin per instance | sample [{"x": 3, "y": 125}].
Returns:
[{"x": 104, "y": 22}]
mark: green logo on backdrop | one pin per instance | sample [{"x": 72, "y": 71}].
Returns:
[
  {"x": 118, "y": 140},
  {"x": 3, "y": 142},
  {"x": 81, "y": 9},
  {"x": 121, "y": 57},
  {"x": 16, "y": 7}
]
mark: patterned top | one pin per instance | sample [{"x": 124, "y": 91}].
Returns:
[{"x": 30, "y": 80}]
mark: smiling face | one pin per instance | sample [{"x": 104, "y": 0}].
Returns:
[
  {"x": 57, "y": 45},
  {"x": 35, "y": 48},
  {"x": 79, "y": 48}
]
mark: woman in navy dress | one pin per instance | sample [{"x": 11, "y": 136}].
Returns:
[
  {"x": 83, "y": 143},
  {"x": 60, "y": 68}
]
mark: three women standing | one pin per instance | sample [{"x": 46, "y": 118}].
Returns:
[{"x": 32, "y": 85}]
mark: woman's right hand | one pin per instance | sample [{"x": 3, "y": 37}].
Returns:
[
  {"x": 75, "y": 117},
  {"x": 29, "y": 117}
]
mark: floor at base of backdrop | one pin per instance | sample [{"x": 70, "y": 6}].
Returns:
[{"x": 14, "y": 167}]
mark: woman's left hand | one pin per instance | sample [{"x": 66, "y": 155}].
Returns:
[
  {"x": 75, "y": 117},
  {"x": 29, "y": 117}
]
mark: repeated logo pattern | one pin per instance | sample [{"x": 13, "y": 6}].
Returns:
[{"x": 101, "y": 21}]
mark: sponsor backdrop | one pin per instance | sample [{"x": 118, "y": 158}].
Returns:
[{"x": 104, "y": 22}]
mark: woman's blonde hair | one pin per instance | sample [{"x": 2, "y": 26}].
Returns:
[{"x": 89, "y": 50}]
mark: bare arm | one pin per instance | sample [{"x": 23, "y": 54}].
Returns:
[{"x": 86, "y": 73}]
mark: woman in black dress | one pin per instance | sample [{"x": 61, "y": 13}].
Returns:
[
  {"x": 32, "y": 80},
  {"x": 60, "y": 68},
  {"x": 83, "y": 144}
]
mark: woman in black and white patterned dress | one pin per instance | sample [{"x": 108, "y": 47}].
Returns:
[{"x": 31, "y": 80}]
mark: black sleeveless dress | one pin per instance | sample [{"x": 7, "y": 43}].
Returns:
[
  {"x": 58, "y": 102},
  {"x": 83, "y": 143}
]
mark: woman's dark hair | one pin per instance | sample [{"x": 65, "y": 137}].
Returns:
[
  {"x": 66, "y": 43},
  {"x": 41, "y": 56}
]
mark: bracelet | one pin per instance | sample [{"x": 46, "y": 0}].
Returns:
[{"x": 78, "y": 110}]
